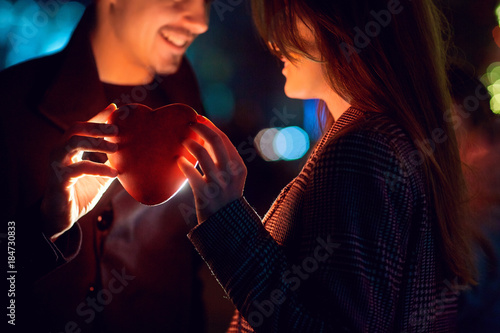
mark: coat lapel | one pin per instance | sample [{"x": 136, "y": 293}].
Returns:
[{"x": 67, "y": 98}]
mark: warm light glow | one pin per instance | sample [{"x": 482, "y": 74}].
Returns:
[{"x": 77, "y": 157}]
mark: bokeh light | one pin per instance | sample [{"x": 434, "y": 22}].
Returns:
[
  {"x": 492, "y": 81},
  {"x": 311, "y": 121},
  {"x": 492, "y": 77},
  {"x": 34, "y": 30},
  {"x": 7, "y": 18},
  {"x": 264, "y": 143},
  {"x": 289, "y": 143},
  {"x": 497, "y": 11}
]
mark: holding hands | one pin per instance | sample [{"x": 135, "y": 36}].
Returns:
[
  {"x": 76, "y": 185},
  {"x": 224, "y": 171}
]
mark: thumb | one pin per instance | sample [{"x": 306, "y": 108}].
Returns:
[{"x": 103, "y": 116}]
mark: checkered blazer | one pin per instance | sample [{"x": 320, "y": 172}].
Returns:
[{"x": 348, "y": 246}]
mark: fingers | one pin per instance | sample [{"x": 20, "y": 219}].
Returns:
[
  {"x": 96, "y": 127},
  {"x": 207, "y": 130},
  {"x": 85, "y": 168},
  {"x": 103, "y": 116},
  {"x": 94, "y": 130},
  {"x": 205, "y": 121},
  {"x": 89, "y": 137},
  {"x": 76, "y": 145},
  {"x": 224, "y": 170},
  {"x": 216, "y": 141},
  {"x": 201, "y": 154},
  {"x": 194, "y": 178},
  {"x": 99, "y": 145},
  {"x": 211, "y": 171}
]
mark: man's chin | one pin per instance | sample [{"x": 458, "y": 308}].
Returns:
[{"x": 170, "y": 67}]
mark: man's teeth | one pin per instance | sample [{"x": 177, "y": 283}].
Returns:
[{"x": 177, "y": 41}]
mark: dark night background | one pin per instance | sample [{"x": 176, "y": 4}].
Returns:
[{"x": 241, "y": 82}]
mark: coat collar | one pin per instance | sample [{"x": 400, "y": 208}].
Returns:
[
  {"x": 349, "y": 117},
  {"x": 64, "y": 101}
]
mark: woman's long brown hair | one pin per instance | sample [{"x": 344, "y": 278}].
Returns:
[{"x": 398, "y": 69}]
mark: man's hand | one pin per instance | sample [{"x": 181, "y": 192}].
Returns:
[{"x": 75, "y": 186}]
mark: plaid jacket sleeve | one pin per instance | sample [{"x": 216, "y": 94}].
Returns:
[{"x": 344, "y": 269}]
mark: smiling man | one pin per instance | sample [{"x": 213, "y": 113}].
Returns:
[
  {"x": 89, "y": 257},
  {"x": 138, "y": 39}
]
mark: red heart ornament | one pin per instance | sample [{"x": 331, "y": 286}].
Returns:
[{"x": 149, "y": 143}]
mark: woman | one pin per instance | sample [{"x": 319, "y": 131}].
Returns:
[{"x": 368, "y": 237}]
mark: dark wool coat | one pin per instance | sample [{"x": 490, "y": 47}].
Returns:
[{"x": 350, "y": 245}]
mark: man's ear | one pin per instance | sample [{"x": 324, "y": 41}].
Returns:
[
  {"x": 103, "y": 9},
  {"x": 102, "y": 2}
]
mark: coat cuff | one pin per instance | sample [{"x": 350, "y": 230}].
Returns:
[
  {"x": 48, "y": 255},
  {"x": 39, "y": 255},
  {"x": 226, "y": 240},
  {"x": 68, "y": 244}
]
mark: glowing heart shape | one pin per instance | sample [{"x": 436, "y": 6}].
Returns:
[{"x": 149, "y": 143}]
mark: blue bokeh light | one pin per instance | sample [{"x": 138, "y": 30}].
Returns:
[
  {"x": 312, "y": 123},
  {"x": 291, "y": 143},
  {"x": 32, "y": 30},
  {"x": 7, "y": 18},
  {"x": 275, "y": 144}
]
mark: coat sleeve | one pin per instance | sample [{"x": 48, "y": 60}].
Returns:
[
  {"x": 347, "y": 269},
  {"x": 38, "y": 254},
  {"x": 33, "y": 254}
]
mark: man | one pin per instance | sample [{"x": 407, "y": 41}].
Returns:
[{"x": 123, "y": 266}]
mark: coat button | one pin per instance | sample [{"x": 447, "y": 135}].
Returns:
[{"x": 105, "y": 220}]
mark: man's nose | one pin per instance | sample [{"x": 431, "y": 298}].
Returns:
[{"x": 196, "y": 16}]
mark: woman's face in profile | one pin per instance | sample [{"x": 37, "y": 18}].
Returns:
[{"x": 304, "y": 77}]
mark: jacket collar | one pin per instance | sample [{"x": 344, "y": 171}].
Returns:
[
  {"x": 67, "y": 98},
  {"x": 347, "y": 118}
]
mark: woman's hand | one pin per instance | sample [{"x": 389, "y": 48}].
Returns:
[
  {"x": 224, "y": 172},
  {"x": 76, "y": 185}
]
